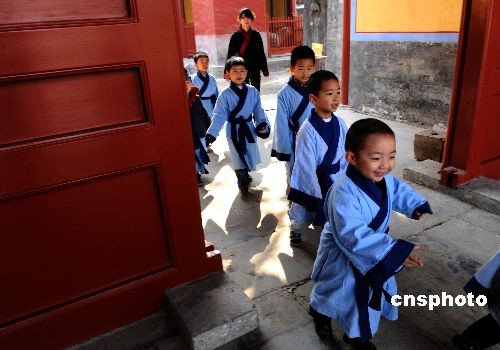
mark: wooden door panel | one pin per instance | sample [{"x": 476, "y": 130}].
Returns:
[
  {"x": 117, "y": 237},
  {"x": 99, "y": 208},
  {"x": 29, "y": 11},
  {"x": 42, "y": 106}
]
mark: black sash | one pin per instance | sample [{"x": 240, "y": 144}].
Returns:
[
  {"x": 206, "y": 81},
  {"x": 240, "y": 135},
  {"x": 363, "y": 283}
]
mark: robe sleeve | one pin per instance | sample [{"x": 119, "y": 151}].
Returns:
[
  {"x": 304, "y": 186},
  {"x": 259, "y": 116},
  {"x": 406, "y": 199},
  {"x": 220, "y": 116},
  {"x": 282, "y": 141},
  {"x": 376, "y": 255}
]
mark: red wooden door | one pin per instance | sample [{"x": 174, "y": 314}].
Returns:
[
  {"x": 472, "y": 146},
  {"x": 99, "y": 209}
]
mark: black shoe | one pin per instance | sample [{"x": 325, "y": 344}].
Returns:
[
  {"x": 295, "y": 240},
  {"x": 244, "y": 190},
  {"x": 200, "y": 183},
  {"x": 358, "y": 344},
  {"x": 463, "y": 343},
  {"x": 322, "y": 324}
]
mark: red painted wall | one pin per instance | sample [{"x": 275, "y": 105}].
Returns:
[{"x": 218, "y": 17}]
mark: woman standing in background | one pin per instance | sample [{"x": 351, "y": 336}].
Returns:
[{"x": 247, "y": 43}]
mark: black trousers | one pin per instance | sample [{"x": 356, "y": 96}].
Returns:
[
  {"x": 485, "y": 332},
  {"x": 243, "y": 179},
  {"x": 253, "y": 78}
]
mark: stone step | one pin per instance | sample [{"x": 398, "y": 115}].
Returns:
[
  {"x": 211, "y": 311},
  {"x": 482, "y": 192}
]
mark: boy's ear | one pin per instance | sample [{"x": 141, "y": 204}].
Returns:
[
  {"x": 312, "y": 98},
  {"x": 350, "y": 157}
]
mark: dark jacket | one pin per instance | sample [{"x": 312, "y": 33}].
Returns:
[
  {"x": 254, "y": 56},
  {"x": 200, "y": 121}
]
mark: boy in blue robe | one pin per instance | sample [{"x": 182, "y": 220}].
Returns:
[
  {"x": 239, "y": 105},
  {"x": 200, "y": 121},
  {"x": 319, "y": 156},
  {"x": 357, "y": 259},
  {"x": 205, "y": 82},
  {"x": 293, "y": 107}
]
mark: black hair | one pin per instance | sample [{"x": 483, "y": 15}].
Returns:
[
  {"x": 234, "y": 61},
  {"x": 186, "y": 75},
  {"x": 361, "y": 129},
  {"x": 199, "y": 54},
  {"x": 317, "y": 78},
  {"x": 301, "y": 52},
  {"x": 247, "y": 12}
]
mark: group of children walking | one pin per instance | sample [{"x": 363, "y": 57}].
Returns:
[{"x": 339, "y": 179}]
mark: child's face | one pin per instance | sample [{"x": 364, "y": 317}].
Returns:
[
  {"x": 238, "y": 74},
  {"x": 377, "y": 158},
  {"x": 202, "y": 64},
  {"x": 189, "y": 85},
  {"x": 328, "y": 99},
  {"x": 303, "y": 69}
]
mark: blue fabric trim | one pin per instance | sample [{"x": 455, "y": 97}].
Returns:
[
  {"x": 377, "y": 194},
  {"x": 240, "y": 135},
  {"x": 474, "y": 287},
  {"x": 330, "y": 133},
  {"x": 361, "y": 294},
  {"x": 311, "y": 203},
  {"x": 205, "y": 80},
  {"x": 281, "y": 156},
  {"x": 293, "y": 122},
  {"x": 388, "y": 266},
  {"x": 366, "y": 185}
]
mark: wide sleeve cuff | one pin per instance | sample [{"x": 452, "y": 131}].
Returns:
[
  {"x": 391, "y": 263},
  {"x": 423, "y": 209},
  {"x": 281, "y": 156},
  {"x": 311, "y": 203},
  {"x": 474, "y": 287}
]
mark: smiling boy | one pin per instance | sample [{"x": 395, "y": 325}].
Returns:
[
  {"x": 357, "y": 258},
  {"x": 319, "y": 155}
]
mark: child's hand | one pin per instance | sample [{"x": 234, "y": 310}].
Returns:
[
  {"x": 209, "y": 139},
  {"x": 262, "y": 127},
  {"x": 413, "y": 260},
  {"x": 417, "y": 215},
  {"x": 421, "y": 210}
]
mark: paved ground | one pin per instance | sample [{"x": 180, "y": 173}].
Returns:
[{"x": 252, "y": 234}]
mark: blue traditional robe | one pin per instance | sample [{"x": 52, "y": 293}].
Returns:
[
  {"x": 356, "y": 261},
  {"x": 240, "y": 108},
  {"x": 293, "y": 108},
  {"x": 208, "y": 90},
  {"x": 320, "y": 155}
]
